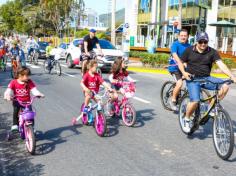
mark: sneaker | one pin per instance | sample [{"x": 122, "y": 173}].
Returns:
[
  {"x": 85, "y": 109},
  {"x": 173, "y": 105},
  {"x": 14, "y": 128},
  {"x": 187, "y": 125}
]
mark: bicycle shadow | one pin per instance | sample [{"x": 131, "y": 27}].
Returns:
[
  {"x": 203, "y": 132},
  {"x": 14, "y": 158},
  {"x": 53, "y": 138},
  {"x": 113, "y": 124},
  {"x": 143, "y": 116}
]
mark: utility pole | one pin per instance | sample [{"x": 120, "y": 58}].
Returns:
[
  {"x": 180, "y": 14},
  {"x": 113, "y": 23}
]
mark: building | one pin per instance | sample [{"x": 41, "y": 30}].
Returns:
[
  {"x": 90, "y": 18},
  {"x": 155, "y": 18}
]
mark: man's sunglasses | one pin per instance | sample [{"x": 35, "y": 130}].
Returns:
[{"x": 203, "y": 41}]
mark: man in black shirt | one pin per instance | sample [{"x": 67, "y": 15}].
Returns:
[
  {"x": 90, "y": 41},
  {"x": 199, "y": 60}
]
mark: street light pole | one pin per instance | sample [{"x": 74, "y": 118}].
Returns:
[{"x": 113, "y": 23}]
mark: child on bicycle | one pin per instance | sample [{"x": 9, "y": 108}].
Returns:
[
  {"x": 118, "y": 74},
  {"x": 91, "y": 82},
  {"x": 20, "y": 89}
]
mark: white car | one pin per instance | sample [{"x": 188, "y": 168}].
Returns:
[{"x": 105, "y": 62}]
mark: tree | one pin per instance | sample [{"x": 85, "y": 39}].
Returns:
[{"x": 180, "y": 14}]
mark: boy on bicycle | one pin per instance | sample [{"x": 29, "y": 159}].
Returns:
[
  {"x": 48, "y": 55},
  {"x": 20, "y": 89}
]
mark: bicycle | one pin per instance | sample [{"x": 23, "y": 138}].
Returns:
[
  {"x": 221, "y": 131},
  {"x": 167, "y": 92},
  {"x": 26, "y": 125},
  {"x": 33, "y": 56},
  {"x": 99, "y": 121},
  {"x": 55, "y": 66},
  {"x": 124, "y": 107},
  {"x": 14, "y": 67}
]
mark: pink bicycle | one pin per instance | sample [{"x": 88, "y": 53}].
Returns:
[
  {"x": 26, "y": 125},
  {"x": 99, "y": 120},
  {"x": 123, "y": 105}
]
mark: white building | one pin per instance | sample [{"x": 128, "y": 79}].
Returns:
[{"x": 90, "y": 18}]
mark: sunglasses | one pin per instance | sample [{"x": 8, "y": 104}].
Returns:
[{"x": 203, "y": 42}]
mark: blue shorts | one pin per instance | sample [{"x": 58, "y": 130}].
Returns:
[{"x": 194, "y": 87}]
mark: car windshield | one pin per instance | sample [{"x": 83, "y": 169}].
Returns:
[
  {"x": 43, "y": 45},
  {"x": 105, "y": 44},
  {"x": 76, "y": 42}
]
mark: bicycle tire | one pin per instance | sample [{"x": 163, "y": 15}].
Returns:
[
  {"x": 29, "y": 131},
  {"x": 162, "y": 94},
  {"x": 231, "y": 135},
  {"x": 132, "y": 109},
  {"x": 45, "y": 65},
  {"x": 35, "y": 59},
  {"x": 100, "y": 124},
  {"x": 57, "y": 68}
]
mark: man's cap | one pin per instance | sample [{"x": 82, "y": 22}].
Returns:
[
  {"x": 93, "y": 30},
  {"x": 202, "y": 36}
]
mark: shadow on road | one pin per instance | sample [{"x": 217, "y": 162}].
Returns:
[
  {"x": 53, "y": 138},
  {"x": 144, "y": 116},
  {"x": 14, "y": 160}
]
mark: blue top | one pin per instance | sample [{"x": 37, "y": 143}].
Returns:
[
  {"x": 22, "y": 55},
  {"x": 179, "y": 48},
  {"x": 15, "y": 51}
]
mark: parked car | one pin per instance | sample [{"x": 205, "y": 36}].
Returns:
[
  {"x": 42, "y": 49},
  {"x": 62, "y": 50},
  {"x": 109, "y": 51}
]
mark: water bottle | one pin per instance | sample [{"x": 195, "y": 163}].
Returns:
[
  {"x": 90, "y": 117},
  {"x": 203, "y": 108}
]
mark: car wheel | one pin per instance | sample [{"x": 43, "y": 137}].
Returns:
[{"x": 69, "y": 62}]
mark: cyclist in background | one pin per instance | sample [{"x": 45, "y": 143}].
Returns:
[
  {"x": 31, "y": 44},
  {"x": 90, "y": 41},
  {"x": 48, "y": 55},
  {"x": 15, "y": 52},
  {"x": 199, "y": 59},
  {"x": 177, "y": 50}
]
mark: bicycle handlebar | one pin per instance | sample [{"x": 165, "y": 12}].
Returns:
[
  {"x": 228, "y": 81},
  {"x": 25, "y": 104}
]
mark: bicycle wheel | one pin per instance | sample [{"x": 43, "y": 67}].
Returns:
[
  {"x": 166, "y": 94},
  {"x": 57, "y": 68},
  {"x": 100, "y": 124},
  {"x": 99, "y": 71},
  {"x": 45, "y": 67},
  {"x": 35, "y": 58},
  {"x": 85, "y": 116},
  {"x": 223, "y": 134},
  {"x": 129, "y": 115},
  {"x": 30, "y": 139}
]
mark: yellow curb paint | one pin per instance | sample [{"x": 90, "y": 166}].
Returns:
[{"x": 165, "y": 72}]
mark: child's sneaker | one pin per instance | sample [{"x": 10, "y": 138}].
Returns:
[
  {"x": 14, "y": 128},
  {"x": 86, "y": 108}
]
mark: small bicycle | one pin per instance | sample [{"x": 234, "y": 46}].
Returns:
[
  {"x": 223, "y": 134},
  {"x": 123, "y": 106},
  {"x": 34, "y": 56},
  {"x": 55, "y": 66},
  {"x": 99, "y": 120},
  {"x": 26, "y": 125}
]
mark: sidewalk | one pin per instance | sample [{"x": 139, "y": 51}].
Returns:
[{"x": 137, "y": 66}]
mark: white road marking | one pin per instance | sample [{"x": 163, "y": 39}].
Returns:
[
  {"x": 73, "y": 76},
  {"x": 33, "y": 66},
  {"x": 142, "y": 100},
  {"x": 63, "y": 65},
  {"x": 235, "y": 134},
  {"x": 8, "y": 64}
]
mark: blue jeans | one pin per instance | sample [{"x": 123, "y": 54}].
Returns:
[
  {"x": 194, "y": 86},
  {"x": 30, "y": 50}
]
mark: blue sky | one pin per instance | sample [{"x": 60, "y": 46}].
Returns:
[{"x": 101, "y": 6}]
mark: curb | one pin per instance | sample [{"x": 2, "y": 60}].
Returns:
[{"x": 165, "y": 72}]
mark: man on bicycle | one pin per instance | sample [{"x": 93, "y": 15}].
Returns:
[
  {"x": 90, "y": 41},
  {"x": 199, "y": 59},
  {"x": 177, "y": 50},
  {"x": 31, "y": 44}
]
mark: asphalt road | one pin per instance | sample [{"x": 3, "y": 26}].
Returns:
[{"x": 154, "y": 146}]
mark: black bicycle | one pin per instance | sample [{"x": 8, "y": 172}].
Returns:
[
  {"x": 55, "y": 66},
  {"x": 210, "y": 108},
  {"x": 167, "y": 92}
]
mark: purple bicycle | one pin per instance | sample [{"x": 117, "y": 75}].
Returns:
[
  {"x": 26, "y": 125},
  {"x": 99, "y": 120}
]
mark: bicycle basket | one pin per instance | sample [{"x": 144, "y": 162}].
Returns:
[{"x": 129, "y": 90}]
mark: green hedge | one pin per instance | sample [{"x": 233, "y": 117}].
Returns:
[
  {"x": 162, "y": 59},
  {"x": 154, "y": 60}
]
